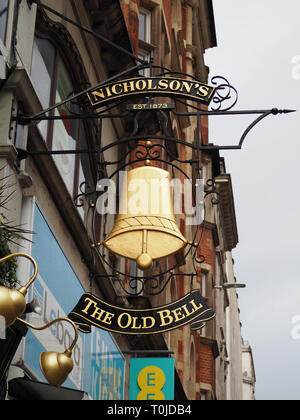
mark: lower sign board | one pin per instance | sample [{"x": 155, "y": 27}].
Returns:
[
  {"x": 191, "y": 309},
  {"x": 152, "y": 379}
]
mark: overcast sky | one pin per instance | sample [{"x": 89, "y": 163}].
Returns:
[{"x": 258, "y": 51}]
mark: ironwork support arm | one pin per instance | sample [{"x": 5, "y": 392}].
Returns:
[{"x": 23, "y": 154}]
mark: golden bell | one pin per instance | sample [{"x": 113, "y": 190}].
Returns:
[
  {"x": 12, "y": 305},
  {"x": 13, "y": 302},
  {"x": 56, "y": 367},
  {"x": 145, "y": 228}
]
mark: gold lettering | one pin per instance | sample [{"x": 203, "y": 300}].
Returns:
[
  {"x": 120, "y": 319},
  {"x": 155, "y": 85},
  {"x": 145, "y": 320},
  {"x": 114, "y": 89},
  {"x": 108, "y": 92},
  {"x": 150, "y": 85},
  {"x": 98, "y": 94},
  {"x": 108, "y": 318},
  {"x": 187, "y": 87},
  {"x": 203, "y": 91},
  {"x": 163, "y": 84},
  {"x": 97, "y": 313},
  {"x": 188, "y": 313},
  {"x": 178, "y": 315},
  {"x": 128, "y": 86},
  {"x": 134, "y": 321},
  {"x": 91, "y": 302},
  {"x": 195, "y": 306},
  {"x": 141, "y": 85},
  {"x": 166, "y": 317},
  {"x": 175, "y": 85}
]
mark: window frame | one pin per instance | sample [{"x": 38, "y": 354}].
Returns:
[
  {"x": 82, "y": 125},
  {"x": 148, "y": 25},
  {"x": 146, "y": 56},
  {"x": 209, "y": 329},
  {"x": 5, "y": 44},
  {"x": 206, "y": 391},
  {"x": 145, "y": 44},
  {"x": 204, "y": 274},
  {"x": 5, "y": 10},
  {"x": 203, "y": 395}
]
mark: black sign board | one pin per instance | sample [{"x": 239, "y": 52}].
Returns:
[
  {"x": 191, "y": 309},
  {"x": 153, "y": 86}
]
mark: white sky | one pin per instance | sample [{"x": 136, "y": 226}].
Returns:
[{"x": 258, "y": 46}]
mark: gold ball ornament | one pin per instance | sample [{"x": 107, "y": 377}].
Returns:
[{"x": 144, "y": 261}]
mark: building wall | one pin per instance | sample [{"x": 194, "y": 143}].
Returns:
[
  {"x": 249, "y": 378},
  {"x": 234, "y": 337}
]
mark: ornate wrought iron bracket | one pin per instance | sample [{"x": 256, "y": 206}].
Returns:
[{"x": 22, "y": 119}]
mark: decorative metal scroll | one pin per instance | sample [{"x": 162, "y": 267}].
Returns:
[{"x": 224, "y": 93}]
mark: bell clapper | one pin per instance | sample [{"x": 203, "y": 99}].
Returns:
[{"x": 144, "y": 261}]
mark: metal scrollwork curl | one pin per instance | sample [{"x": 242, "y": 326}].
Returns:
[
  {"x": 148, "y": 152},
  {"x": 212, "y": 190},
  {"x": 85, "y": 193},
  {"x": 224, "y": 92}
]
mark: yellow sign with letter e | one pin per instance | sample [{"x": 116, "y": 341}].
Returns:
[{"x": 152, "y": 379}]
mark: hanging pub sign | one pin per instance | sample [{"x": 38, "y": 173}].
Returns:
[
  {"x": 154, "y": 86},
  {"x": 191, "y": 309}
]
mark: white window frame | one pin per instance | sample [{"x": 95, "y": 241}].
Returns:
[
  {"x": 144, "y": 55},
  {"x": 207, "y": 274},
  {"x": 148, "y": 24},
  {"x": 4, "y": 46},
  {"x": 204, "y": 276},
  {"x": 145, "y": 46}
]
